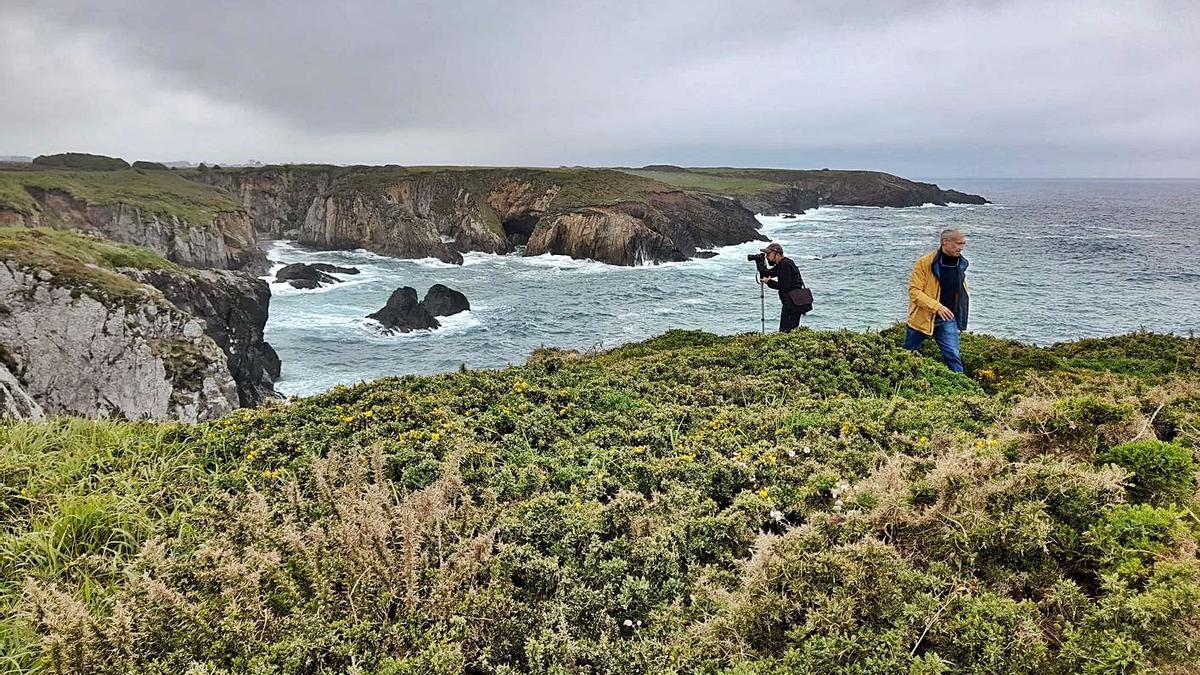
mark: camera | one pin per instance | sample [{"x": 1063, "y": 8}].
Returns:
[{"x": 756, "y": 257}]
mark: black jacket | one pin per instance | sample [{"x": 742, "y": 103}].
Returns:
[{"x": 786, "y": 276}]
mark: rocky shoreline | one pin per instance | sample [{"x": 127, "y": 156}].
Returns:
[{"x": 88, "y": 327}]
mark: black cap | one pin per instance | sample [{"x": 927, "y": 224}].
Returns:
[{"x": 773, "y": 247}]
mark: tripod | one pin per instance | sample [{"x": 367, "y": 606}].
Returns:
[{"x": 762, "y": 300}]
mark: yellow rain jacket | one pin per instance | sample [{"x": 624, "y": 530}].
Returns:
[{"x": 924, "y": 289}]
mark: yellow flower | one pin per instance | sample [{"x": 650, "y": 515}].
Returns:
[
  {"x": 639, "y": 450},
  {"x": 348, "y": 419},
  {"x": 435, "y": 437},
  {"x": 986, "y": 374},
  {"x": 922, "y": 440},
  {"x": 764, "y": 493},
  {"x": 979, "y": 443},
  {"x": 687, "y": 458},
  {"x": 369, "y": 413}
]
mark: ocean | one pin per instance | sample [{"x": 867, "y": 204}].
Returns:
[{"x": 1051, "y": 260}]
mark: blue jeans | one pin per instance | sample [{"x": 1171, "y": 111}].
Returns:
[{"x": 945, "y": 333}]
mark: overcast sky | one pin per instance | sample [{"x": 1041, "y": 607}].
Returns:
[{"x": 919, "y": 88}]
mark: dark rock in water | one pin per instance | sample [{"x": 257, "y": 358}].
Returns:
[
  {"x": 334, "y": 269},
  {"x": 704, "y": 255},
  {"x": 789, "y": 216},
  {"x": 444, "y": 301},
  {"x": 403, "y": 313},
  {"x": 303, "y": 275}
]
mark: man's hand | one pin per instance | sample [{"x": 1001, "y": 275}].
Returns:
[
  {"x": 763, "y": 280},
  {"x": 945, "y": 313}
]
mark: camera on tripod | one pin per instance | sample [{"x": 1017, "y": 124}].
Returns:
[{"x": 756, "y": 257}]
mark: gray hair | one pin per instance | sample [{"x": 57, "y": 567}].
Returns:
[{"x": 951, "y": 233}]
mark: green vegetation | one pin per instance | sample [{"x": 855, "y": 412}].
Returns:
[
  {"x": 80, "y": 261},
  {"x": 140, "y": 164},
  {"x": 159, "y": 192},
  {"x": 81, "y": 160},
  {"x": 703, "y": 180},
  {"x": 811, "y": 502}
]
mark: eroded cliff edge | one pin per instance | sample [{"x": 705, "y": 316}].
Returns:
[{"x": 86, "y": 330}]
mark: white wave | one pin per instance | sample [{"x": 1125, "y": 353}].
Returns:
[
  {"x": 283, "y": 288},
  {"x": 311, "y": 321},
  {"x": 457, "y": 324}
]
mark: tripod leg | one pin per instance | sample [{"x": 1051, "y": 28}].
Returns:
[{"x": 762, "y": 307}]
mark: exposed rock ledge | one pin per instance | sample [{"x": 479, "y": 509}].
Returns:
[{"x": 75, "y": 354}]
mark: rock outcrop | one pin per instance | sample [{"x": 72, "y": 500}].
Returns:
[
  {"x": 445, "y": 301},
  {"x": 15, "y": 402},
  {"x": 665, "y": 227},
  {"x": 334, "y": 269},
  {"x": 233, "y": 307},
  {"x": 403, "y": 314},
  {"x": 304, "y": 276},
  {"x": 76, "y": 351}
]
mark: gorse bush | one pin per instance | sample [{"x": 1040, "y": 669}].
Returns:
[
  {"x": 801, "y": 503},
  {"x": 1161, "y": 473}
]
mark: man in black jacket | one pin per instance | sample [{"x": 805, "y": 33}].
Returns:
[{"x": 783, "y": 276}]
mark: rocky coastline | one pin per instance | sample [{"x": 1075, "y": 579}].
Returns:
[{"x": 97, "y": 329}]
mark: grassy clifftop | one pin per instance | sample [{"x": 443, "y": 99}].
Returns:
[
  {"x": 856, "y": 188},
  {"x": 154, "y": 191},
  {"x": 813, "y": 502},
  {"x": 577, "y": 186},
  {"x": 81, "y": 261}
]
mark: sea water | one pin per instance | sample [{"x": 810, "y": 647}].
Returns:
[{"x": 1050, "y": 260}]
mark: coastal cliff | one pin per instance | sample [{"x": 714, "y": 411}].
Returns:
[
  {"x": 775, "y": 191},
  {"x": 181, "y": 221},
  {"x": 85, "y": 330},
  {"x": 442, "y": 212}
]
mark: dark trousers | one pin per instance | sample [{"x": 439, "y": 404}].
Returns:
[{"x": 789, "y": 317}]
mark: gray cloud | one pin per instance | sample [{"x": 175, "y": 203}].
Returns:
[{"x": 931, "y": 88}]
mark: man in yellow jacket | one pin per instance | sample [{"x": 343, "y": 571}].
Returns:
[{"x": 937, "y": 299}]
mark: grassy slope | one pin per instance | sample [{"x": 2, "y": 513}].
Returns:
[
  {"x": 751, "y": 182},
  {"x": 814, "y": 502},
  {"x": 80, "y": 261},
  {"x": 159, "y": 192},
  {"x": 702, "y": 180}
]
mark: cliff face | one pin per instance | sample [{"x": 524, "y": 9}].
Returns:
[
  {"x": 93, "y": 328},
  {"x": 74, "y": 353},
  {"x": 412, "y": 213},
  {"x": 407, "y": 216},
  {"x": 233, "y": 307},
  {"x": 225, "y": 242},
  {"x": 666, "y": 227}
]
